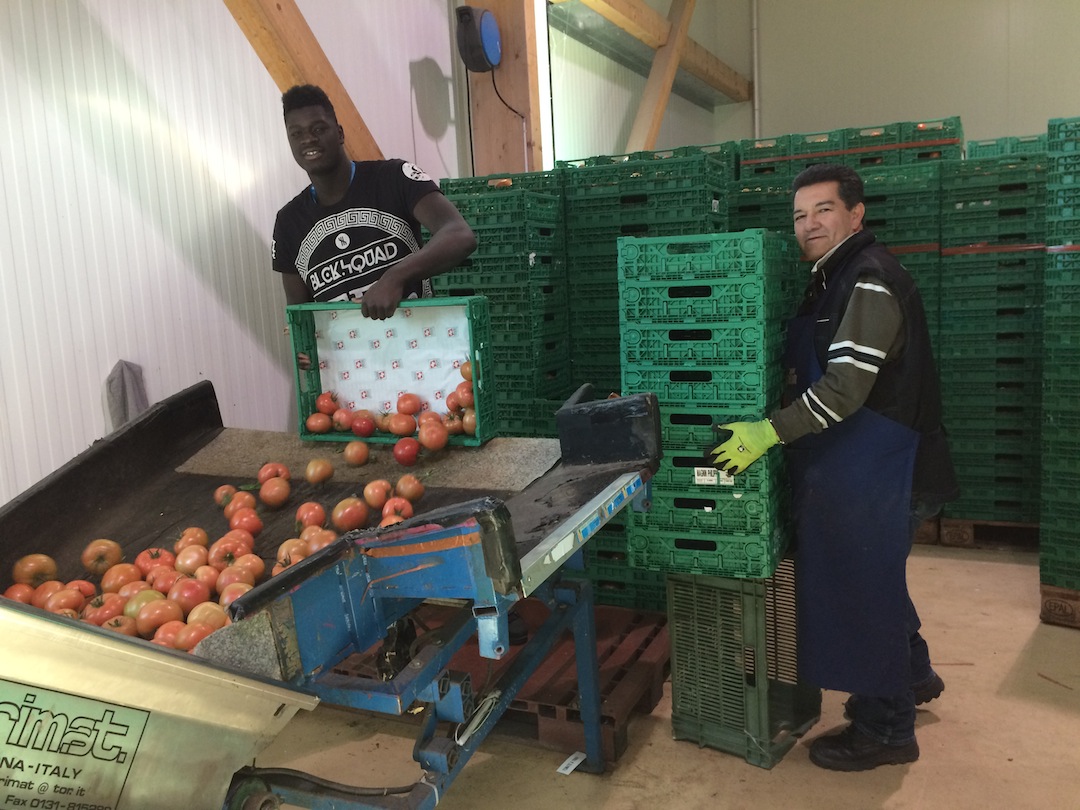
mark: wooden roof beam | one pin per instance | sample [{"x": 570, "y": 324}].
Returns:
[
  {"x": 650, "y": 114},
  {"x": 292, "y": 55},
  {"x": 653, "y": 29}
]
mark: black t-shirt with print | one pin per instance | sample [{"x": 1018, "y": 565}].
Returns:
[{"x": 341, "y": 250}]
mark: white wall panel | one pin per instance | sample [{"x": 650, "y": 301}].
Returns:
[{"x": 143, "y": 159}]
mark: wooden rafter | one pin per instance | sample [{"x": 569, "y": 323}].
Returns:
[
  {"x": 650, "y": 114},
  {"x": 651, "y": 28},
  {"x": 281, "y": 37}
]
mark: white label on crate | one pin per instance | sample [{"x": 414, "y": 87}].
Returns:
[
  {"x": 63, "y": 750},
  {"x": 571, "y": 763},
  {"x": 711, "y": 477}
]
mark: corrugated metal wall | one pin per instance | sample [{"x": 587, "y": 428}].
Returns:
[{"x": 142, "y": 160}]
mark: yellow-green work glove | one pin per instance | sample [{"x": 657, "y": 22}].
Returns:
[{"x": 748, "y": 443}]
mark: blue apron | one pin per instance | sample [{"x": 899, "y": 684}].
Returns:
[{"x": 851, "y": 495}]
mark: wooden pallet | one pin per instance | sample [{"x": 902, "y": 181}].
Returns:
[
  {"x": 929, "y": 532},
  {"x": 1059, "y": 606},
  {"x": 962, "y": 533},
  {"x": 633, "y": 651}
]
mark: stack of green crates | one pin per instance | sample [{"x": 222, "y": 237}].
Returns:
[
  {"x": 1059, "y": 535},
  {"x": 702, "y": 321},
  {"x": 645, "y": 194},
  {"x": 734, "y": 665},
  {"x": 902, "y": 143},
  {"x": 614, "y": 582},
  {"x": 990, "y": 340},
  {"x": 519, "y": 266}
]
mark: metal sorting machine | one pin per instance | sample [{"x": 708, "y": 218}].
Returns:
[{"x": 91, "y": 719}]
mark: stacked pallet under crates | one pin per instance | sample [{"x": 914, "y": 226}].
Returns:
[
  {"x": 644, "y": 194},
  {"x": 702, "y": 323},
  {"x": 520, "y": 266},
  {"x": 993, "y": 229},
  {"x": 1059, "y": 519}
]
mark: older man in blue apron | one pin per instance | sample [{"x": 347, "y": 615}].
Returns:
[{"x": 868, "y": 462}]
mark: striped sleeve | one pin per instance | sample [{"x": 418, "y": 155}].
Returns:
[{"x": 869, "y": 335}]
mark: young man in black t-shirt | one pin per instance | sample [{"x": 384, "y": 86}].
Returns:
[{"x": 354, "y": 233}]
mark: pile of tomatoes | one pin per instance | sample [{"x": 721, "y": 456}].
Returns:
[
  {"x": 177, "y": 596},
  {"x": 414, "y": 420}
]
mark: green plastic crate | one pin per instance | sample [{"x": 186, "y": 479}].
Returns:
[
  {"x": 718, "y": 555},
  {"x": 545, "y": 182},
  {"x": 726, "y": 388},
  {"x": 734, "y": 665},
  {"x": 872, "y": 138},
  {"x": 509, "y": 207},
  {"x": 730, "y": 256},
  {"x": 368, "y": 363},
  {"x": 742, "y": 344},
  {"x": 716, "y": 514},
  {"x": 937, "y": 129}
]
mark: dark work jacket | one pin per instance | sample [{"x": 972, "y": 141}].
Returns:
[{"x": 907, "y": 389}]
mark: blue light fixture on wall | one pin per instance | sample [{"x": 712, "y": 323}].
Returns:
[{"x": 478, "y": 39}]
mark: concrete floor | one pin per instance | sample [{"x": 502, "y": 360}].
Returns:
[{"x": 1004, "y": 734}]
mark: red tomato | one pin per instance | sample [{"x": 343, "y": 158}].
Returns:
[
  {"x": 350, "y": 513},
  {"x": 433, "y": 435},
  {"x": 428, "y": 416},
  {"x": 125, "y": 625},
  {"x": 189, "y": 592},
  {"x": 100, "y": 555},
  {"x": 210, "y": 613},
  {"x": 234, "y": 573},
  {"x": 87, "y": 589},
  {"x": 135, "y": 603},
  {"x": 320, "y": 539},
  {"x": 154, "y": 556},
  {"x": 191, "y": 536},
  {"x": 164, "y": 578},
  {"x": 129, "y": 589},
  {"x": 376, "y": 492},
  {"x": 318, "y": 423},
  {"x": 453, "y": 402},
  {"x": 225, "y": 552},
  {"x": 356, "y": 453},
  {"x": 363, "y": 426},
  {"x": 166, "y": 634},
  {"x": 240, "y": 500},
  {"x": 453, "y": 423},
  {"x": 310, "y": 513},
  {"x": 401, "y": 424},
  {"x": 409, "y": 487},
  {"x": 464, "y": 393},
  {"x": 291, "y": 551},
  {"x": 326, "y": 403},
  {"x": 409, "y": 404},
  {"x": 190, "y": 558},
  {"x": 253, "y": 563},
  {"x": 247, "y": 519},
  {"x": 232, "y": 593},
  {"x": 65, "y": 599},
  {"x": 342, "y": 420},
  {"x": 318, "y": 470},
  {"x": 223, "y": 493},
  {"x": 103, "y": 607},
  {"x": 406, "y": 451},
  {"x": 33, "y": 569},
  {"x": 397, "y": 506},
  {"x": 246, "y": 538},
  {"x": 274, "y": 492},
  {"x": 466, "y": 370},
  {"x": 272, "y": 469},
  {"x": 120, "y": 574},
  {"x": 191, "y": 634},
  {"x": 207, "y": 575},
  {"x": 20, "y": 592},
  {"x": 390, "y": 520},
  {"x": 468, "y": 421},
  {"x": 154, "y": 614}
]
